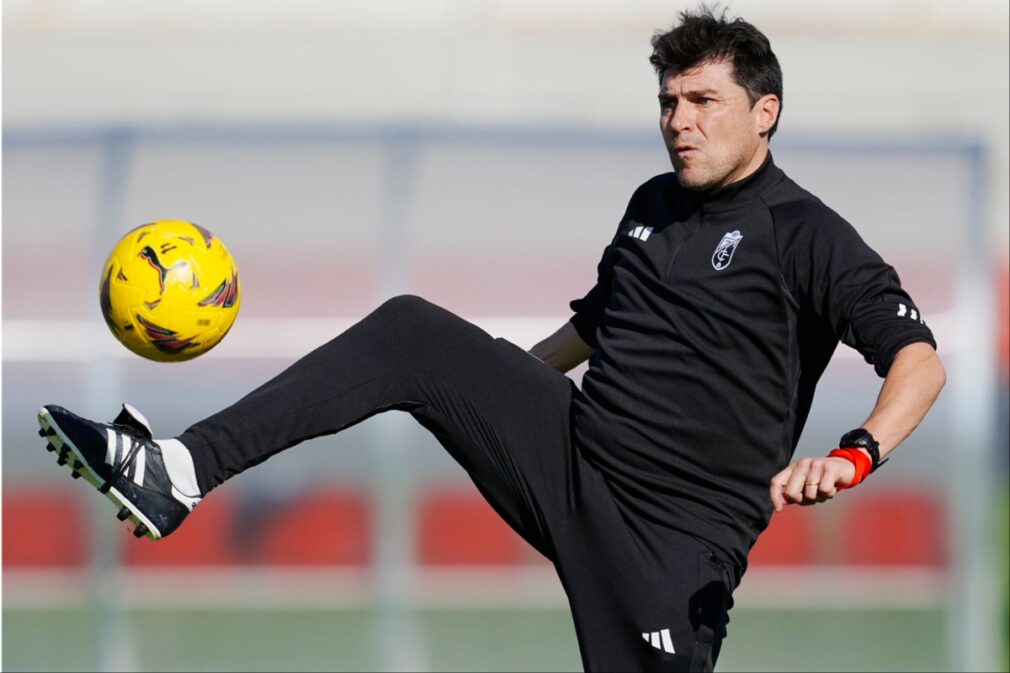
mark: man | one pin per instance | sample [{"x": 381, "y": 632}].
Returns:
[{"x": 718, "y": 304}]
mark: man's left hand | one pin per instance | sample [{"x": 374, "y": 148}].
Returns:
[{"x": 810, "y": 481}]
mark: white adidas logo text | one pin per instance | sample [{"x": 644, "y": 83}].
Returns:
[
  {"x": 660, "y": 640},
  {"x": 913, "y": 314},
  {"x": 640, "y": 232}
]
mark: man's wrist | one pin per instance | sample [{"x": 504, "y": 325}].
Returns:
[
  {"x": 862, "y": 450},
  {"x": 861, "y": 439},
  {"x": 860, "y": 461}
]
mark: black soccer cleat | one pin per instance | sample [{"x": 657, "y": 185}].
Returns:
[{"x": 122, "y": 460}]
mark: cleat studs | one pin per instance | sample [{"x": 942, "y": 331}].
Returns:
[
  {"x": 140, "y": 531},
  {"x": 62, "y": 460},
  {"x": 75, "y": 475},
  {"x": 42, "y": 432},
  {"x": 123, "y": 514},
  {"x": 78, "y": 464},
  {"x": 50, "y": 447}
]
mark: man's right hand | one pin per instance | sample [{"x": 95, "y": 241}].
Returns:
[{"x": 564, "y": 349}]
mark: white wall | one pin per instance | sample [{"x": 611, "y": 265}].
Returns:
[{"x": 861, "y": 67}]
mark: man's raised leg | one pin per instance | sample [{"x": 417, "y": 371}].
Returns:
[{"x": 495, "y": 408}]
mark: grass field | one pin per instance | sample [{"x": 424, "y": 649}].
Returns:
[
  {"x": 59, "y": 639},
  {"x": 1003, "y": 568},
  {"x": 542, "y": 640}
]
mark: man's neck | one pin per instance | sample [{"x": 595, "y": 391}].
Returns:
[{"x": 755, "y": 163}]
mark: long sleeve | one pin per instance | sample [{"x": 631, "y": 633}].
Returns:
[{"x": 831, "y": 271}]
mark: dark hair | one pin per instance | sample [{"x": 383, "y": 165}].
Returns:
[{"x": 704, "y": 37}]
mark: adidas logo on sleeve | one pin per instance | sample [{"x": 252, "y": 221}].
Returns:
[
  {"x": 660, "y": 640},
  {"x": 639, "y": 231}
]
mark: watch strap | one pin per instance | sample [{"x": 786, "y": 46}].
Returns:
[{"x": 860, "y": 438}]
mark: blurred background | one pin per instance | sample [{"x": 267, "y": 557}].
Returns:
[{"x": 477, "y": 153}]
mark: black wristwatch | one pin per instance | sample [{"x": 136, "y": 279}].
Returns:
[{"x": 861, "y": 438}]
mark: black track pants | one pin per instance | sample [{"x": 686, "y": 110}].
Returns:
[{"x": 643, "y": 596}]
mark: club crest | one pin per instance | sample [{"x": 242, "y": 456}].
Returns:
[{"x": 723, "y": 254}]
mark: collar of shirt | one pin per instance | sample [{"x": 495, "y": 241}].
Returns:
[{"x": 740, "y": 192}]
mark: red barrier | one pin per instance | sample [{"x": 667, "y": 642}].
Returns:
[
  {"x": 321, "y": 528},
  {"x": 205, "y": 539},
  {"x": 897, "y": 527},
  {"x": 460, "y": 528},
  {"x": 455, "y": 528},
  {"x": 43, "y": 527},
  {"x": 788, "y": 540}
]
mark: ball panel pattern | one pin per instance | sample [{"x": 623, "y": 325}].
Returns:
[{"x": 170, "y": 290}]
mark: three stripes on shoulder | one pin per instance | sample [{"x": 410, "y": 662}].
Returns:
[{"x": 660, "y": 640}]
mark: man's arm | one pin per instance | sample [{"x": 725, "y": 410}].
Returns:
[
  {"x": 564, "y": 349},
  {"x": 912, "y": 385}
]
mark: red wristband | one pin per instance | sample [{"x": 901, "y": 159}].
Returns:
[{"x": 862, "y": 462}]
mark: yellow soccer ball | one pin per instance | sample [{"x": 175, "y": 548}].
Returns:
[{"x": 169, "y": 290}]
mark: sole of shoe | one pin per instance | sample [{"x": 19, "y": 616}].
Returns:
[{"x": 58, "y": 439}]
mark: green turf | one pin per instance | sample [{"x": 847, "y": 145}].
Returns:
[
  {"x": 1003, "y": 569},
  {"x": 448, "y": 640},
  {"x": 47, "y": 641},
  {"x": 458, "y": 641},
  {"x": 198, "y": 641},
  {"x": 810, "y": 640}
]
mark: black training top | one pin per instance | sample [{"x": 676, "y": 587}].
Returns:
[{"x": 713, "y": 317}]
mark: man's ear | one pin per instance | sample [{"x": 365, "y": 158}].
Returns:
[{"x": 767, "y": 111}]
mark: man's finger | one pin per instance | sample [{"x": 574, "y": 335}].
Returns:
[
  {"x": 812, "y": 484},
  {"x": 778, "y": 483},
  {"x": 827, "y": 489},
  {"x": 776, "y": 494},
  {"x": 793, "y": 491},
  {"x": 782, "y": 477}
]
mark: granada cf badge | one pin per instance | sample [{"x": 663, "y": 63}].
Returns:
[{"x": 723, "y": 254}]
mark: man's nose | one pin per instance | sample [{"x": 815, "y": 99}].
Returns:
[{"x": 682, "y": 119}]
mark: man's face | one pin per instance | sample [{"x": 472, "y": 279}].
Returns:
[{"x": 710, "y": 128}]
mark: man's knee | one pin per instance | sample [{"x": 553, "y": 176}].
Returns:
[
  {"x": 408, "y": 319},
  {"x": 410, "y": 315},
  {"x": 408, "y": 311},
  {"x": 405, "y": 305}
]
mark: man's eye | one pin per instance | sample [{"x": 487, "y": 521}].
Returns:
[{"x": 704, "y": 101}]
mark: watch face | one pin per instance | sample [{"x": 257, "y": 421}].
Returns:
[{"x": 860, "y": 438}]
